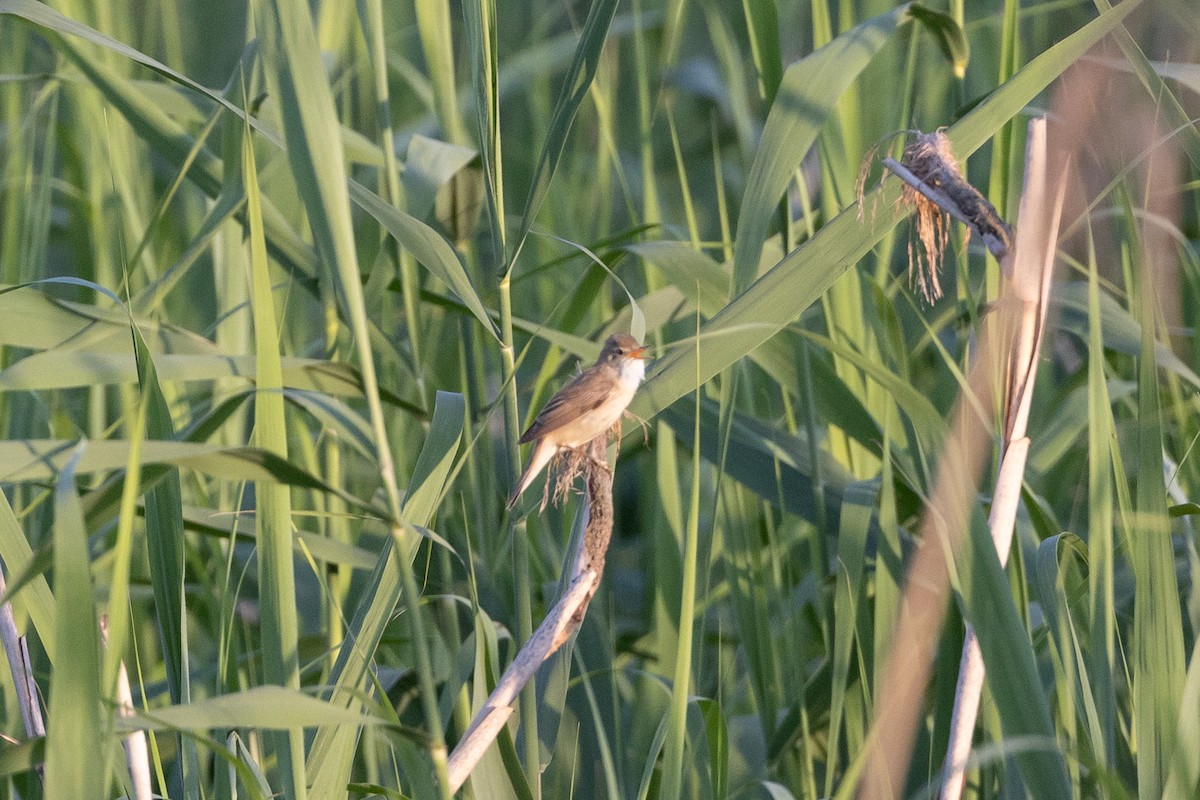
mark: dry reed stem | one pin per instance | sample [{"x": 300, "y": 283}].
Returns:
[
  {"x": 17, "y": 651},
  {"x": 1032, "y": 268},
  {"x": 927, "y": 589},
  {"x": 562, "y": 620},
  {"x": 137, "y": 755}
]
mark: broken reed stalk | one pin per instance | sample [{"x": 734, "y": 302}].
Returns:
[
  {"x": 560, "y": 623},
  {"x": 22, "y": 671},
  {"x": 900, "y": 701},
  {"x": 1031, "y": 269}
]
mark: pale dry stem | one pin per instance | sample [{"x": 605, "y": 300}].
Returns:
[{"x": 561, "y": 622}]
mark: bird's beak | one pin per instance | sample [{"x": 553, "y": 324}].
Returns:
[{"x": 639, "y": 353}]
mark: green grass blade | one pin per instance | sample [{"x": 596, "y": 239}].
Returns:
[
  {"x": 273, "y": 505},
  {"x": 1183, "y": 780},
  {"x": 427, "y": 247},
  {"x": 1011, "y": 667},
  {"x": 762, "y": 26},
  {"x": 807, "y": 95},
  {"x": 332, "y": 751},
  {"x": 1157, "y": 646},
  {"x": 164, "y": 528},
  {"x": 271, "y": 708},
  {"x": 576, "y": 84},
  {"x": 849, "y": 610},
  {"x": 949, "y": 35},
  {"x": 1101, "y": 543},
  {"x": 433, "y": 23},
  {"x": 681, "y": 685},
  {"x": 76, "y": 747},
  {"x": 39, "y": 460}
]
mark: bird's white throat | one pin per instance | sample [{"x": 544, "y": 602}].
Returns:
[{"x": 631, "y": 372}]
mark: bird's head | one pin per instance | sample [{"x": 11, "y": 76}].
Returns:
[{"x": 621, "y": 348}]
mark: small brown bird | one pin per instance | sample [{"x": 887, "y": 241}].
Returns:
[{"x": 586, "y": 407}]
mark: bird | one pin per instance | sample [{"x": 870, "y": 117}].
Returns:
[{"x": 590, "y": 404}]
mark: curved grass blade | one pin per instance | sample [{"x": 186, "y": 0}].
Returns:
[
  {"x": 950, "y": 37},
  {"x": 576, "y": 84},
  {"x": 807, "y": 95},
  {"x": 427, "y": 247},
  {"x": 431, "y": 167}
]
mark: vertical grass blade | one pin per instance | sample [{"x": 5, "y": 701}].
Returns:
[
  {"x": 332, "y": 751},
  {"x": 807, "y": 95},
  {"x": 1101, "y": 601},
  {"x": 76, "y": 748},
  {"x": 848, "y": 612},
  {"x": 1158, "y": 655},
  {"x": 164, "y": 529},
  {"x": 272, "y": 502},
  {"x": 433, "y": 24},
  {"x": 313, "y": 139},
  {"x": 681, "y": 685},
  {"x": 576, "y": 84}
]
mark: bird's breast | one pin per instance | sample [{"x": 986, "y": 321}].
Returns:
[{"x": 631, "y": 373}]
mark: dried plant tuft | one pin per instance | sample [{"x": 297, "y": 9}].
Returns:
[
  {"x": 569, "y": 464},
  {"x": 929, "y": 157},
  {"x": 936, "y": 189}
]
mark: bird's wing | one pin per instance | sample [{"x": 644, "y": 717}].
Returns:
[{"x": 577, "y": 397}]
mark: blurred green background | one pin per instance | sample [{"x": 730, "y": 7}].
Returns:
[{"x": 297, "y": 275}]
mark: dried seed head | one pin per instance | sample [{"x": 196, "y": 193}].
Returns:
[
  {"x": 568, "y": 465},
  {"x": 935, "y": 189},
  {"x": 930, "y": 157}
]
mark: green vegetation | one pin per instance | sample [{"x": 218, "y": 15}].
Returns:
[{"x": 281, "y": 286}]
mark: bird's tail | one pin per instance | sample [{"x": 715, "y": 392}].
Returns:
[{"x": 543, "y": 451}]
